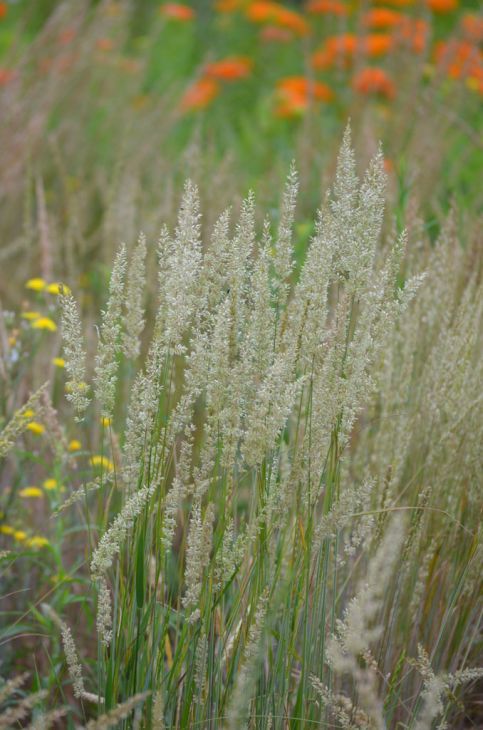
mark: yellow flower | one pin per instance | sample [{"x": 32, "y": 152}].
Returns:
[
  {"x": 102, "y": 461},
  {"x": 31, "y": 492},
  {"x": 56, "y": 287},
  {"x": 75, "y": 445},
  {"x": 6, "y": 530},
  {"x": 35, "y": 284},
  {"x": 50, "y": 484},
  {"x": 20, "y": 535},
  {"x": 106, "y": 422},
  {"x": 44, "y": 323},
  {"x": 37, "y": 541},
  {"x": 36, "y": 428},
  {"x": 58, "y": 362},
  {"x": 29, "y": 413},
  {"x": 31, "y": 315},
  {"x": 12, "y": 341}
]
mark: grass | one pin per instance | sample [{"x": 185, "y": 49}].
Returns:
[{"x": 248, "y": 493}]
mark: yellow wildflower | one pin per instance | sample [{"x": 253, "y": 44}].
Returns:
[
  {"x": 59, "y": 362},
  {"x": 106, "y": 421},
  {"x": 50, "y": 484},
  {"x": 31, "y": 492},
  {"x": 35, "y": 284},
  {"x": 44, "y": 323},
  {"x": 75, "y": 445},
  {"x": 102, "y": 461},
  {"x": 36, "y": 428},
  {"x": 6, "y": 530},
  {"x": 31, "y": 315},
  {"x": 20, "y": 535},
  {"x": 37, "y": 541},
  {"x": 55, "y": 288},
  {"x": 29, "y": 413}
]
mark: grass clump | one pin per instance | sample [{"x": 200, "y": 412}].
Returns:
[{"x": 280, "y": 518}]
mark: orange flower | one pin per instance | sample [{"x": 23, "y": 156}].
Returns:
[
  {"x": 228, "y": 6},
  {"x": 459, "y": 59},
  {"x": 395, "y": 3},
  {"x": 337, "y": 48},
  {"x": 327, "y": 7},
  {"x": 230, "y": 69},
  {"x": 472, "y": 26},
  {"x": 104, "y": 44},
  {"x": 374, "y": 81},
  {"x": 6, "y": 75},
  {"x": 66, "y": 36},
  {"x": 3, "y": 10},
  {"x": 343, "y": 48},
  {"x": 275, "y": 14},
  {"x": 177, "y": 11},
  {"x": 272, "y": 33},
  {"x": 295, "y": 93},
  {"x": 382, "y": 18},
  {"x": 412, "y": 33},
  {"x": 442, "y": 6},
  {"x": 200, "y": 94},
  {"x": 376, "y": 44}
]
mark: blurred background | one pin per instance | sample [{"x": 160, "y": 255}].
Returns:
[{"x": 107, "y": 107}]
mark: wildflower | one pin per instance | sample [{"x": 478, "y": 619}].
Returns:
[
  {"x": 472, "y": 27},
  {"x": 35, "y": 284},
  {"x": 7, "y": 530},
  {"x": 106, "y": 422},
  {"x": 459, "y": 59},
  {"x": 37, "y": 542},
  {"x": 177, "y": 11},
  {"x": 57, "y": 288},
  {"x": 104, "y": 44},
  {"x": 31, "y": 316},
  {"x": 75, "y": 445},
  {"x": 66, "y": 36},
  {"x": 228, "y": 6},
  {"x": 59, "y": 362},
  {"x": 37, "y": 428},
  {"x": 20, "y": 535},
  {"x": 272, "y": 33},
  {"x": 200, "y": 94},
  {"x": 327, "y": 7},
  {"x": 6, "y": 75},
  {"x": 412, "y": 32},
  {"x": 50, "y": 484},
  {"x": 18, "y": 423},
  {"x": 230, "y": 69},
  {"x": 297, "y": 92},
  {"x": 3, "y": 10},
  {"x": 30, "y": 492},
  {"x": 374, "y": 81},
  {"x": 44, "y": 323},
  {"x": 103, "y": 462},
  {"x": 339, "y": 48},
  {"x": 396, "y": 3},
  {"x": 276, "y": 14},
  {"x": 382, "y": 18},
  {"x": 376, "y": 44},
  {"x": 442, "y": 6}
]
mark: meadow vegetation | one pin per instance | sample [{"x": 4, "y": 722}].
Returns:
[{"x": 240, "y": 432}]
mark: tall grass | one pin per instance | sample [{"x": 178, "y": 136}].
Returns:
[{"x": 277, "y": 525}]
